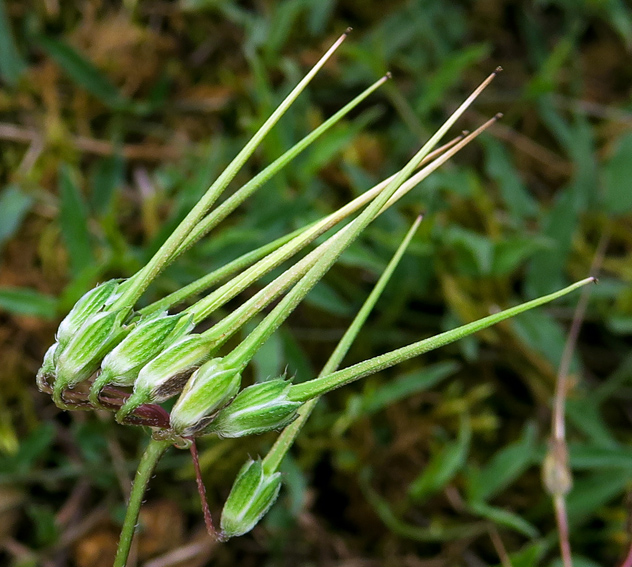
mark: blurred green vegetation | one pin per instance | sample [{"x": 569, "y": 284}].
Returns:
[{"x": 115, "y": 118}]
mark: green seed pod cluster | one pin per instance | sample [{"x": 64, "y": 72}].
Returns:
[{"x": 132, "y": 361}]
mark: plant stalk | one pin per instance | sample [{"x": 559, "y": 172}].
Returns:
[{"x": 152, "y": 454}]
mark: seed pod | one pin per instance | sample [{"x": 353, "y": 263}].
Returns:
[
  {"x": 90, "y": 303},
  {"x": 148, "y": 338},
  {"x": 209, "y": 389},
  {"x": 85, "y": 350},
  {"x": 256, "y": 409},
  {"x": 165, "y": 375},
  {"x": 251, "y": 497}
]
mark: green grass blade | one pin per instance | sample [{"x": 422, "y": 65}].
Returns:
[
  {"x": 11, "y": 63},
  {"x": 83, "y": 72},
  {"x": 14, "y": 204},
  {"x": 22, "y": 301},
  {"x": 73, "y": 215}
]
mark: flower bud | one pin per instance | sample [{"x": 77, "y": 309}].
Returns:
[
  {"x": 82, "y": 355},
  {"x": 148, "y": 338},
  {"x": 251, "y": 497},
  {"x": 165, "y": 375},
  {"x": 209, "y": 389},
  {"x": 256, "y": 409},
  {"x": 90, "y": 303}
]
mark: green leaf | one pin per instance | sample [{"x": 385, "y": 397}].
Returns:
[
  {"x": 326, "y": 298},
  {"x": 298, "y": 363},
  {"x": 14, "y": 204},
  {"x": 473, "y": 252},
  {"x": 23, "y": 301},
  {"x": 107, "y": 176},
  {"x": 320, "y": 12},
  {"x": 541, "y": 332},
  {"x": 515, "y": 195},
  {"x": 443, "y": 465},
  {"x": 596, "y": 457},
  {"x": 587, "y": 417},
  {"x": 407, "y": 385},
  {"x": 617, "y": 178},
  {"x": 73, "y": 218},
  {"x": 31, "y": 449},
  {"x": 546, "y": 269},
  {"x": 592, "y": 492},
  {"x": 268, "y": 362},
  {"x": 281, "y": 24},
  {"x": 448, "y": 75},
  {"x": 511, "y": 252},
  {"x": 530, "y": 555},
  {"x": 11, "y": 63},
  {"x": 503, "y": 468},
  {"x": 83, "y": 72},
  {"x": 42, "y": 517},
  {"x": 504, "y": 518}
]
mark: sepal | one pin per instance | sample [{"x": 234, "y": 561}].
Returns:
[
  {"x": 84, "y": 352},
  {"x": 259, "y": 408},
  {"x": 208, "y": 390},
  {"x": 88, "y": 305},
  {"x": 251, "y": 497},
  {"x": 147, "y": 339}
]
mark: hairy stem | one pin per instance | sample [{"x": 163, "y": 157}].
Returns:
[{"x": 150, "y": 457}]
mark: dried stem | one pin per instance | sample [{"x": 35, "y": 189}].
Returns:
[{"x": 559, "y": 480}]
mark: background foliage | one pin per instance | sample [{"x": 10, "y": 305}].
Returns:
[{"x": 114, "y": 120}]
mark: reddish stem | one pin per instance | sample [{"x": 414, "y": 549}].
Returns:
[
  {"x": 627, "y": 562},
  {"x": 562, "y": 526},
  {"x": 208, "y": 520}
]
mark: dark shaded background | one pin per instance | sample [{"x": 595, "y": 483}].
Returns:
[{"x": 115, "y": 118}]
